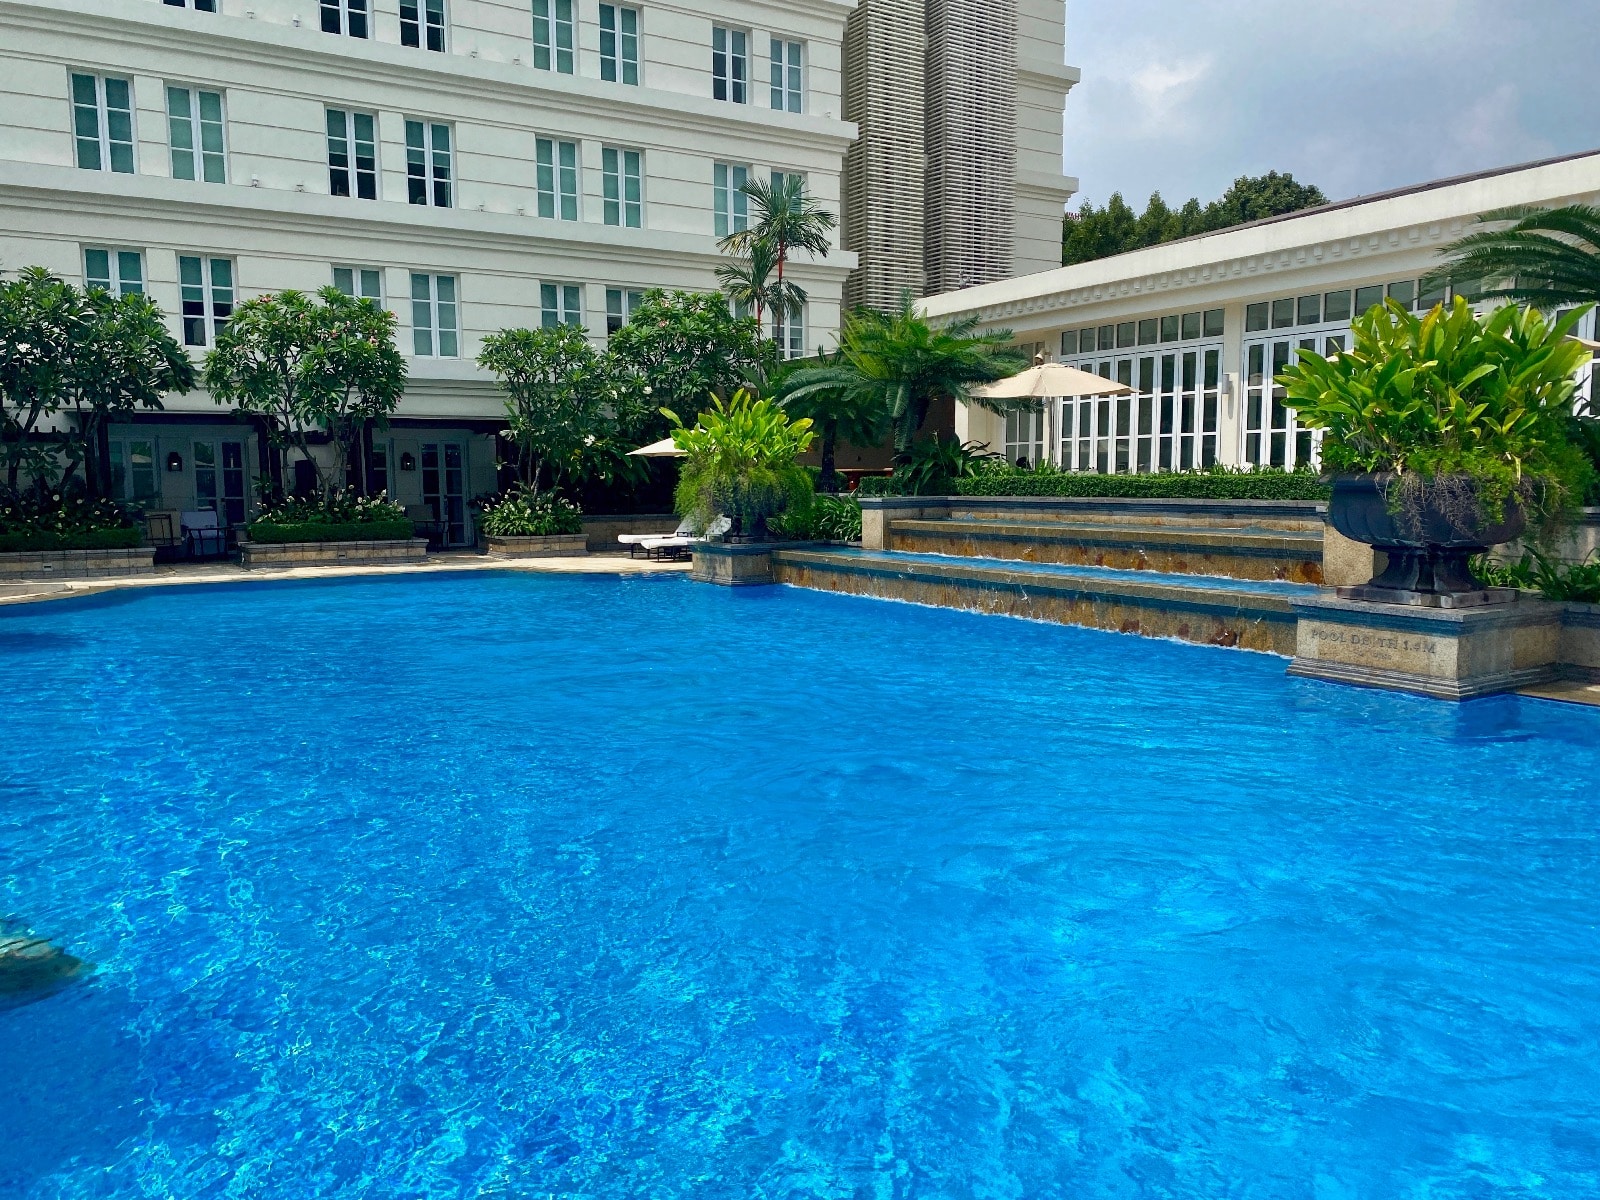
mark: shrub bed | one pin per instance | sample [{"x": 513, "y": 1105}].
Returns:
[
  {"x": 83, "y": 539},
  {"x": 390, "y": 529},
  {"x": 64, "y": 518},
  {"x": 1216, "y": 484},
  {"x": 518, "y": 514}
]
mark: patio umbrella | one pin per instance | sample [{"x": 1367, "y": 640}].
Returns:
[
  {"x": 662, "y": 449},
  {"x": 1045, "y": 379}
]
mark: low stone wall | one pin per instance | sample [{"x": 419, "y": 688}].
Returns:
[
  {"x": 331, "y": 554},
  {"x": 1577, "y": 541},
  {"x": 1580, "y": 642},
  {"x": 77, "y": 564},
  {"x": 1304, "y": 516},
  {"x": 736, "y": 564},
  {"x": 559, "y": 545},
  {"x": 602, "y": 531}
]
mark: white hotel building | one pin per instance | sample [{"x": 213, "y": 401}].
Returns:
[
  {"x": 1200, "y": 327},
  {"x": 472, "y": 164}
]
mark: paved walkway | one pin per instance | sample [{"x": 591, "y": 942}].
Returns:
[{"x": 171, "y": 574}]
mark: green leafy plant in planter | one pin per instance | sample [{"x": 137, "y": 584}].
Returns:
[
  {"x": 825, "y": 519},
  {"x": 1446, "y": 433},
  {"x": 340, "y": 516},
  {"x": 1553, "y": 579},
  {"x": 523, "y": 514},
  {"x": 739, "y": 461}
]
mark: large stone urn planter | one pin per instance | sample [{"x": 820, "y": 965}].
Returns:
[
  {"x": 1427, "y": 549},
  {"x": 551, "y": 546}
]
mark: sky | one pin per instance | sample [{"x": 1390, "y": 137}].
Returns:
[{"x": 1355, "y": 96}]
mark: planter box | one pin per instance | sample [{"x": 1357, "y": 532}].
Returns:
[
  {"x": 77, "y": 564},
  {"x": 332, "y": 554},
  {"x": 555, "y": 545}
]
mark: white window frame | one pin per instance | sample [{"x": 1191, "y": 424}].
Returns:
[
  {"x": 204, "y": 308},
  {"x": 730, "y": 64},
  {"x": 1170, "y": 422},
  {"x": 360, "y": 283},
  {"x": 346, "y": 17},
  {"x": 428, "y": 25},
  {"x": 787, "y": 78},
  {"x": 347, "y": 119},
  {"x": 555, "y": 36},
  {"x": 435, "y": 316},
  {"x": 560, "y": 303},
  {"x": 622, "y": 171},
  {"x": 115, "y": 279},
  {"x": 619, "y": 46},
  {"x": 103, "y": 141},
  {"x": 428, "y": 165},
  {"x": 192, "y": 120},
  {"x": 730, "y": 203},
  {"x": 209, "y": 6},
  {"x": 621, "y": 304},
  {"x": 557, "y": 164},
  {"x": 789, "y": 333}
]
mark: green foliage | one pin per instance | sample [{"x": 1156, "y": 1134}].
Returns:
[
  {"x": 739, "y": 460},
  {"x": 838, "y": 407},
  {"x": 390, "y": 530},
  {"x": 88, "y": 539},
  {"x": 64, "y": 517},
  {"x": 1543, "y": 257},
  {"x": 342, "y": 507},
  {"x": 784, "y": 219},
  {"x": 1093, "y": 233},
  {"x": 524, "y": 514},
  {"x": 303, "y": 361},
  {"x": 1451, "y": 396},
  {"x": 938, "y": 464},
  {"x": 1215, "y": 483},
  {"x": 554, "y": 400},
  {"x": 1585, "y": 434},
  {"x": 824, "y": 519},
  {"x": 1554, "y": 579}
]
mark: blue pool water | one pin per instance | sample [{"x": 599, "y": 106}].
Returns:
[{"x": 519, "y": 886}]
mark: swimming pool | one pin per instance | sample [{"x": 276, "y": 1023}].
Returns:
[{"x": 516, "y": 885}]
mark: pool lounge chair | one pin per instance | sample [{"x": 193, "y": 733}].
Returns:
[
  {"x": 680, "y": 546},
  {"x": 202, "y": 535},
  {"x": 634, "y": 540}
]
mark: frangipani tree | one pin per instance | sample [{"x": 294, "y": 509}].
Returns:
[{"x": 554, "y": 400}]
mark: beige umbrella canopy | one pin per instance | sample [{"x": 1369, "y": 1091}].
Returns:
[
  {"x": 1050, "y": 379},
  {"x": 665, "y": 448}
]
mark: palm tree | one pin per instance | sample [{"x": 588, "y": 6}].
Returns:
[
  {"x": 838, "y": 408},
  {"x": 1546, "y": 257},
  {"x": 786, "y": 220},
  {"x": 747, "y": 281}
]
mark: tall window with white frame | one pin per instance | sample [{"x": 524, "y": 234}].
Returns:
[
  {"x": 349, "y": 17},
  {"x": 789, "y": 332},
  {"x": 556, "y": 178},
  {"x": 102, "y": 122},
  {"x": 429, "y": 170},
  {"x": 352, "y": 154},
  {"x": 553, "y": 40},
  {"x": 730, "y": 202},
  {"x": 195, "y": 134},
  {"x": 120, "y": 272},
  {"x": 206, "y": 296},
  {"x": 623, "y": 186},
  {"x": 435, "y": 316},
  {"x": 620, "y": 306},
  {"x": 360, "y": 283},
  {"x": 788, "y": 75},
  {"x": 730, "y": 64},
  {"x": 422, "y": 24},
  {"x": 560, "y": 304},
  {"x": 619, "y": 43}
]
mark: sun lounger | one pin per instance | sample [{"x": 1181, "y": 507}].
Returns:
[
  {"x": 635, "y": 540},
  {"x": 678, "y": 546}
]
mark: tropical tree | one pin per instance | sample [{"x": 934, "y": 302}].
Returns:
[
  {"x": 785, "y": 220},
  {"x": 554, "y": 402},
  {"x": 307, "y": 361},
  {"x": 838, "y": 407},
  {"x": 739, "y": 460},
  {"x": 40, "y": 319},
  {"x": 1545, "y": 257},
  {"x": 748, "y": 283}
]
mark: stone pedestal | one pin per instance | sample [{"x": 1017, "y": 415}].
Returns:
[
  {"x": 737, "y": 564},
  {"x": 1349, "y": 563},
  {"x": 1454, "y": 654}
]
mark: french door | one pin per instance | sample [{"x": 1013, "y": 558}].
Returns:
[
  {"x": 219, "y": 479},
  {"x": 1168, "y": 423},
  {"x": 444, "y": 489},
  {"x": 1272, "y": 435}
]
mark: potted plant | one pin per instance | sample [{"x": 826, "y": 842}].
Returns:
[
  {"x": 523, "y": 522},
  {"x": 1446, "y": 434},
  {"x": 739, "y": 462}
]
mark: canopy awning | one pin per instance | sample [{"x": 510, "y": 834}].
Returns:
[
  {"x": 1050, "y": 379},
  {"x": 665, "y": 448}
]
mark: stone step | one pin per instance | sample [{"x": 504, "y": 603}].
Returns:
[
  {"x": 1303, "y": 516},
  {"x": 1252, "y": 614},
  {"x": 1244, "y": 552}
]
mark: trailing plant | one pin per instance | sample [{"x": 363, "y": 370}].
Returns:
[
  {"x": 1213, "y": 483},
  {"x": 1554, "y": 579},
  {"x": 739, "y": 460},
  {"x": 825, "y": 519},
  {"x": 1465, "y": 413},
  {"x": 519, "y": 513}
]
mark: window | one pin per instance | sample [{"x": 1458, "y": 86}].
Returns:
[
  {"x": 435, "y": 321},
  {"x": 786, "y": 76},
  {"x": 780, "y": 178},
  {"x": 731, "y": 203},
  {"x": 428, "y": 172},
  {"x": 133, "y": 470},
  {"x": 556, "y": 168},
  {"x": 205, "y": 287},
  {"x": 624, "y": 201},
  {"x": 560, "y": 304},
  {"x": 102, "y": 123},
  {"x": 619, "y": 44},
  {"x": 789, "y": 332},
  {"x": 352, "y": 154},
  {"x": 194, "y": 130},
  {"x": 364, "y": 283},
  {"x": 345, "y": 16},
  {"x": 552, "y": 36},
  {"x": 730, "y": 64},
  {"x": 422, "y": 24},
  {"x": 197, "y": 5},
  {"x": 120, "y": 272},
  {"x": 620, "y": 305}
]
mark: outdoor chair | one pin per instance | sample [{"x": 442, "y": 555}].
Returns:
[
  {"x": 634, "y": 540},
  {"x": 159, "y": 531},
  {"x": 202, "y": 536},
  {"x": 680, "y": 546}
]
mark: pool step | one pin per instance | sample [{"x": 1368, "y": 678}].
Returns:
[
  {"x": 1254, "y": 615},
  {"x": 1239, "y": 552}
]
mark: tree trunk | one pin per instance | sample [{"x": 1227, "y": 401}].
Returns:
[{"x": 828, "y": 480}]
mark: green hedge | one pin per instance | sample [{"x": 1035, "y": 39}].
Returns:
[
  {"x": 1175, "y": 485},
  {"x": 89, "y": 539},
  {"x": 366, "y": 531}
]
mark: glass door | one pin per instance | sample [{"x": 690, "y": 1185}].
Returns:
[
  {"x": 444, "y": 489},
  {"x": 219, "y": 482},
  {"x": 1272, "y": 436}
]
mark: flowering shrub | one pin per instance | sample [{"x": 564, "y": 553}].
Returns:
[
  {"x": 518, "y": 514},
  {"x": 64, "y": 518},
  {"x": 342, "y": 516}
]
